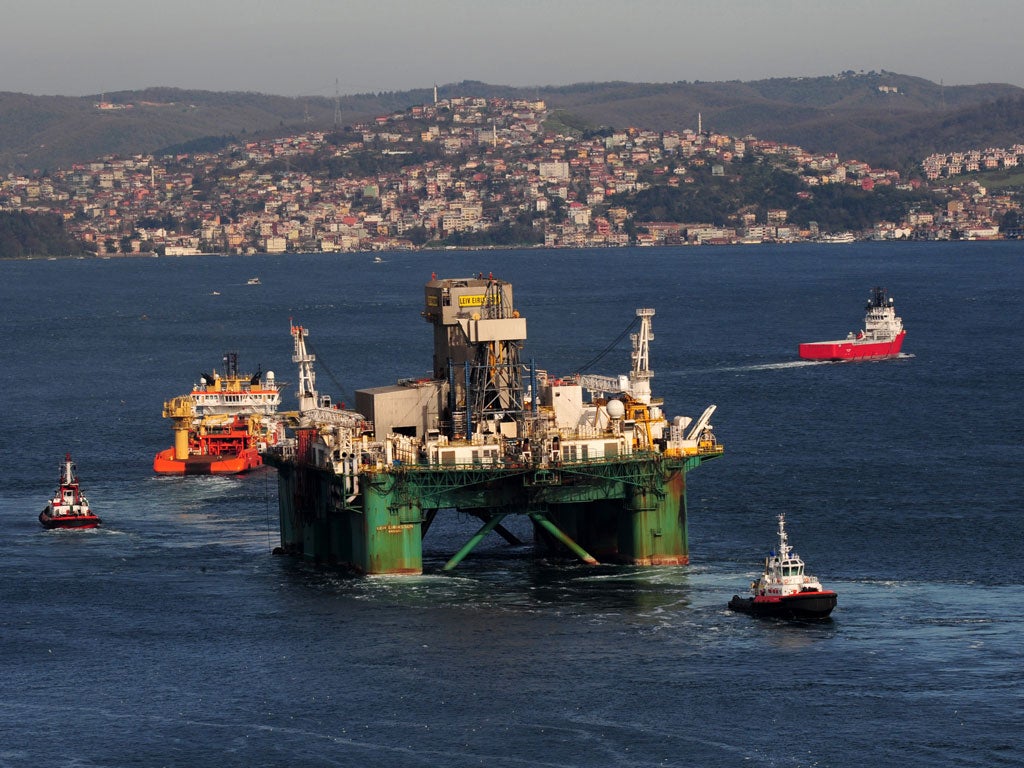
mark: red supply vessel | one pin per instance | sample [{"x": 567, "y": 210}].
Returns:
[{"x": 881, "y": 337}]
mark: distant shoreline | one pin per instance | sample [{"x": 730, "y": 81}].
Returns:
[{"x": 454, "y": 248}]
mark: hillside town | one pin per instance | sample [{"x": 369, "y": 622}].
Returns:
[{"x": 473, "y": 172}]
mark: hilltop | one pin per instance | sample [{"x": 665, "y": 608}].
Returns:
[{"x": 882, "y": 118}]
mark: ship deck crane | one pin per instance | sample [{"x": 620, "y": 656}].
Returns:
[
  {"x": 702, "y": 423},
  {"x": 638, "y": 384}
]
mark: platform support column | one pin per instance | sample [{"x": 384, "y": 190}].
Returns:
[
  {"x": 392, "y": 541},
  {"x": 656, "y": 530}
]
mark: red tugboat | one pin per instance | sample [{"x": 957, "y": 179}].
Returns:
[
  {"x": 68, "y": 508},
  {"x": 784, "y": 590},
  {"x": 881, "y": 337},
  {"x": 223, "y": 424}
]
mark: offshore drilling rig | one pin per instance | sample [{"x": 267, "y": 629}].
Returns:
[{"x": 600, "y": 478}]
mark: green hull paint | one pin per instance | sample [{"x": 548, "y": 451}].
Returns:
[{"x": 626, "y": 510}]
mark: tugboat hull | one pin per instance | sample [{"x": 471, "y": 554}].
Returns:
[
  {"x": 804, "y": 605},
  {"x": 67, "y": 521}
]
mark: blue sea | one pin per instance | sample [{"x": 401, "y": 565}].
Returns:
[{"x": 172, "y": 636}]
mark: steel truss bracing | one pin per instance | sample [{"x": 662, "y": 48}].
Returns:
[{"x": 497, "y": 376}]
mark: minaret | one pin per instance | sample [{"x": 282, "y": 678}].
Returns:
[
  {"x": 700, "y": 129},
  {"x": 337, "y": 104},
  {"x": 435, "y": 93}
]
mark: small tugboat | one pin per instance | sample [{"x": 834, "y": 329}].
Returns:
[
  {"x": 881, "y": 337},
  {"x": 68, "y": 508},
  {"x": 784, "y": 590}
]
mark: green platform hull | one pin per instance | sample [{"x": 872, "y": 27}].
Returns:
[{"x": 628, "y": 510}]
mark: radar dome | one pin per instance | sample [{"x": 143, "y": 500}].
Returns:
[{"x": 616, "y": 409}]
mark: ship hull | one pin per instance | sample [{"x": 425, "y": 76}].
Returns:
[
  {"x": 221, "y": 464},
  {"x": 803, "y": 605},
  {"x": 67, "y": 521},
  {"x": 852, "y": 349}
]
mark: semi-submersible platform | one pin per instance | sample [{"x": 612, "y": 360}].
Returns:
[{"x": 600, "y": 478}]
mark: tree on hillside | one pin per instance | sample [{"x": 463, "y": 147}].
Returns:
[{"x": 35, "y": 234}]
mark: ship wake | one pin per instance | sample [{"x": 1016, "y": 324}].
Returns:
[{"x": 756, "y": 367}]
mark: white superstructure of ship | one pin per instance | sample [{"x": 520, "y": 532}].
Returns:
[{"x": 549, "y": 422}]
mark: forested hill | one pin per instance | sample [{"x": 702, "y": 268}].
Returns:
[
  {"x": 41, "y": 234},
  {"x": 885, "y": 119}
]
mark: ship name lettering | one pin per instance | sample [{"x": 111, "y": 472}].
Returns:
[{"x": 477, "y": 300}]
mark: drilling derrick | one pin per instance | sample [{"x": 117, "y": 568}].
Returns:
[{"x": 477, "y": 338}]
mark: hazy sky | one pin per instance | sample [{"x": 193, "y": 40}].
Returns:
[{"x": 312, "y": 47}]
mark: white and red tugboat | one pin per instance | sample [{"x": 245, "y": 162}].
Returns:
[
  {"x": 68, "y": 508},
  {"x": 784, "y": 590},
  {"x": 881, "y": 337}
]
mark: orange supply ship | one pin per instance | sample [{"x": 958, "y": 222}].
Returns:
[{"x": 223, "y": 424}]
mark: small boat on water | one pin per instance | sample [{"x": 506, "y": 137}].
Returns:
[
  {"x": 838, "y": 237},
  {"x": 784, "y": 589},
  {"x": 253, "y": 281},
  {"x": 881, "y": 337},
  {"x": 68, "y": 508}
]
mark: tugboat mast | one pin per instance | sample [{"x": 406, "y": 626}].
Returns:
[{"x": 784, "y": 548}]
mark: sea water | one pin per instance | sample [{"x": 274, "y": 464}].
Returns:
[{"x": 171, "y": 636}]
